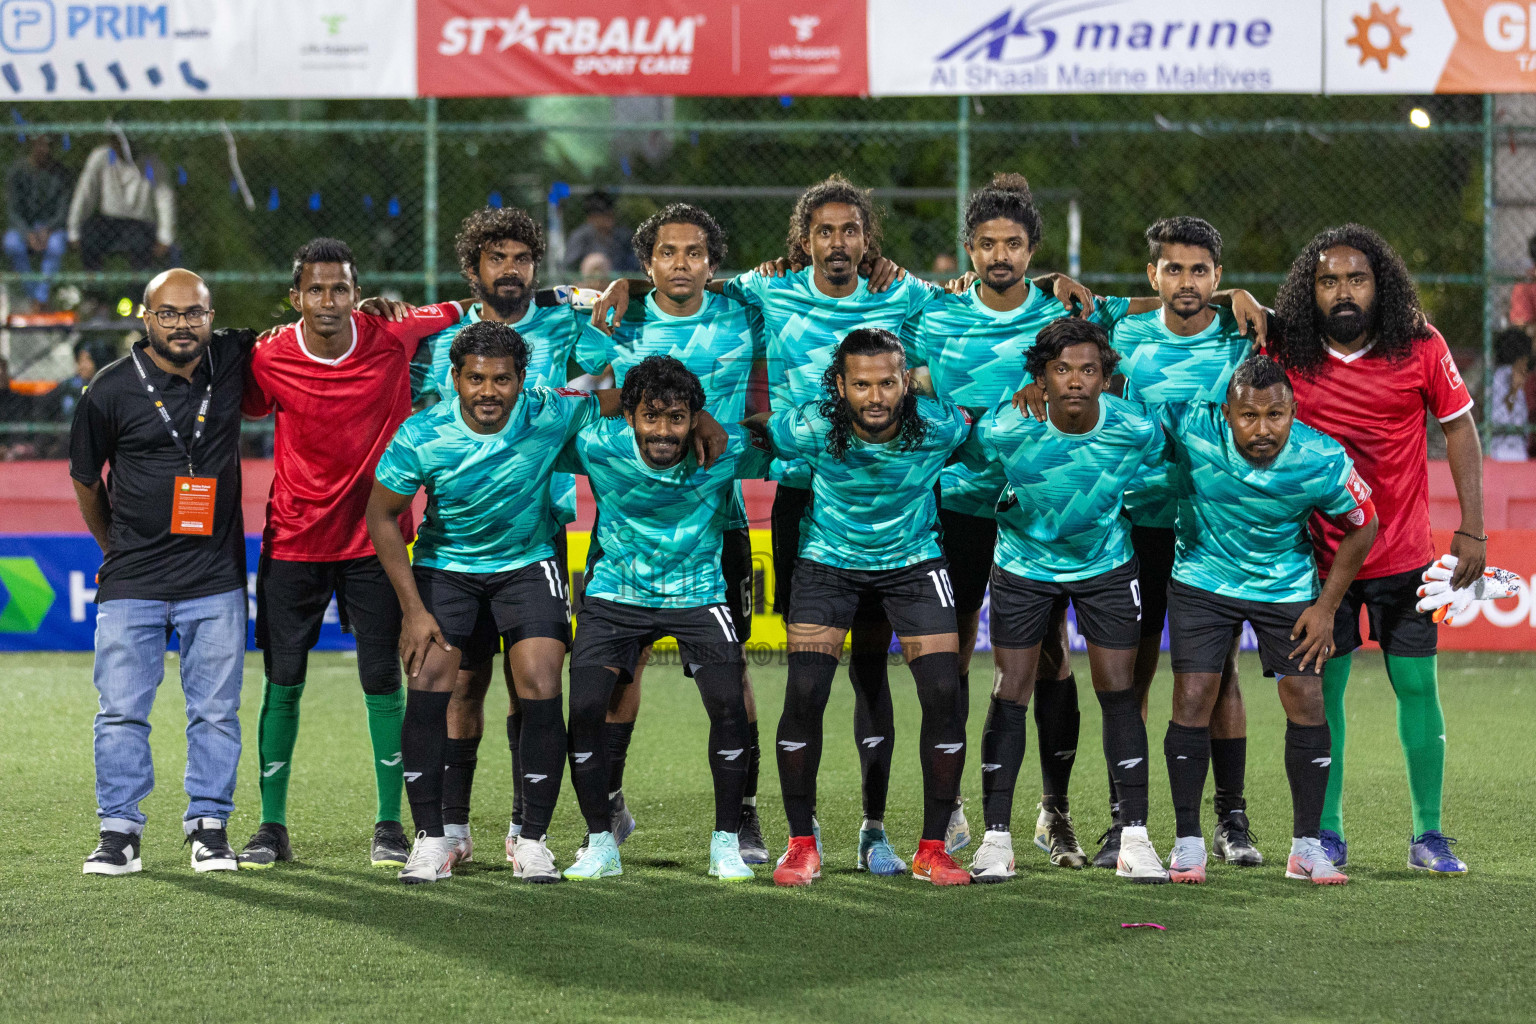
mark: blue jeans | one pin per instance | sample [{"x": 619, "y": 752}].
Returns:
[
  {"x": 130, "y": 663},
  {"x": 21, "y": 258}
]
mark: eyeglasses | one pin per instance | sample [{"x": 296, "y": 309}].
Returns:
[{"x": 195, "y": 316}]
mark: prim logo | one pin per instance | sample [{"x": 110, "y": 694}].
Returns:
[
  {"x": 574, "y": 36},
  {"x": 1379, "y": 35},
  {"x": 26, "y": 26}
]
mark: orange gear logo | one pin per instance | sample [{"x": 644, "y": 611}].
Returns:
[{"x": 1384, "y": 23}]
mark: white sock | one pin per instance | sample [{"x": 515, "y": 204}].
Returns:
[
  {"x": 749, "y": 801},
  {"x": 870, "y": 823},
  {"x": 456, "y": 831}
]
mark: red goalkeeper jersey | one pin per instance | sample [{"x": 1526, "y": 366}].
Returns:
[
  {"x": 334, "y": 418},
  {"x": 1375, "y": 408}
]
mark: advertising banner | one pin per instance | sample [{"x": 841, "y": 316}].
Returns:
[
  {"x": 1424, "y": 46},
  {"x": 630, "y": 47},
  {"x": 917, "y": 47},
  {"x": 207, "y": 49}
]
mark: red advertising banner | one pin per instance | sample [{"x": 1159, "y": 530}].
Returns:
[
  {"x": 630, "y": 47},
  {"x": 1508, "y": 625}
]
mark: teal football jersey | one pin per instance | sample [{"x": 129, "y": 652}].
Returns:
[
  {"x": 975, "y": 356},
  {"x": 875, "y": 509},
  {"x": 719, "y": 344},
  {"x": 488, "y": 500},
  {"x": 551, "y": 333},
  {"x": 803, "y": 326},
  {"x": 1161, "y": 367},
  {"x": 1242, "y": 529},
  {"x": 660, "y": 528},
  {"x": 1059, "y": 518}
]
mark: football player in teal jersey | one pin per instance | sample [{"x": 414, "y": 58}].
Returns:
[
  {"x": 875, "y": 450},
  {"x": 720, "y": 341},
  {"x": 1248, "y": 478},
  {"x": 485, "y": 549},
  {"x": 661, "y": 518},
  {"x": 1182, "y": 345},
  {"x": 970, "y": 350},
  {"x": 1061, "y": 538},
  {"x": 499, "y": 252}
]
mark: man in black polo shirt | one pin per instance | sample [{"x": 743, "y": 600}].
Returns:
[{"x": 167, "y": 419}]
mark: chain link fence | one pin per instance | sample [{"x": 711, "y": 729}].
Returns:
[{"x": 250, "y": 182}]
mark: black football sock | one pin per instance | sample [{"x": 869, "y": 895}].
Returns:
[
  {"x": 1307, "y": 759},
  {"x": 874, "y": 727},
  {"x": 1003, "y": 739},
  {"x": 1229, "y": 764},
  {"x": 591, "y": 689},
  {"x": 754, "y": 763},
  {"x": 423, "y": 736},
  {"x": 459, "y": 759},
  {"x": 619, "y": 735},
  {"x": 1188, "y": 752},
  {"x": 720, "y": 687},
  {"x": 1057, "y": 721},
  {"x": 543, "y": 750},
  {"x": 799, "y": 736},
  {"x": 1125, "y": 750},
  {"x": 942, "y": 737},
  {"x": 514, "y": 744}
]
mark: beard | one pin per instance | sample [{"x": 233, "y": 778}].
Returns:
[
  {"x": 163, "y": 349},
  {"x": 505, "y": 305},
  {"x": 1346, "y": 322},
  {"x": 1001, "y": 284}
]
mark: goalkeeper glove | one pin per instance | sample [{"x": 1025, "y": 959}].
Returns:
[{"x": 1437, "y": 596}]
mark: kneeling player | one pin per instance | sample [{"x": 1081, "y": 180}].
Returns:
[
  {"x": 1061, "y": 537},
  {"x": 875, "y": 450},
  {"x": 661, "y": 518},
  {"x": 1249, "y": 476}
]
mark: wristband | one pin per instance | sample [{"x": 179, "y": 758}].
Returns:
[{"x": 1481, "y": 540}]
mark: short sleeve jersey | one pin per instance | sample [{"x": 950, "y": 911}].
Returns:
[
  {"x": 1242, "y": 528},
  {"x": 803, "y": 327},
  {"x": 333, "y": 418},
  {"x": 660, "y": 528},
  {"x": 1159, "y": 367},
  {"x": 1059, "y": 518},
  {"x": 718, "y": 343},
  {"x": 1375, "y": 408},
  {"x": 975, "y": 356},
  {"x": 551, "y": 333},
  {"x": 488, "y": 504},
  {"x": 875, "y": 508}
]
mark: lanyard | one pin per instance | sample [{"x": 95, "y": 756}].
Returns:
[{"x": 165, "y": 417}]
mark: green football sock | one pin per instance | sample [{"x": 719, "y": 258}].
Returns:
[
  {"x": 277, "y": 729},
  {"x": 1421, "y": 729},
  {"x": 386, "y": 713},
  {"x": 1335, "y": 678}
]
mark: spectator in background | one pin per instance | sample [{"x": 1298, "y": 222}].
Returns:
[
  {"x": 596, "y": 271},
  {"x": 600, "y": 232},
  {"x": 90, "y": 356},
  {"x": 1507, "y": 407},
  {"x": 944, "y": 264},
  {"x": 16, "y": 408},
  {"x": 120, "y": 206},
  {"x": 1522, "y": 299},
  {"x": 36, "y": 203}
]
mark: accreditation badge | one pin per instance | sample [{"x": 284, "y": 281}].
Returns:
[{"x": 192, "y": 505}]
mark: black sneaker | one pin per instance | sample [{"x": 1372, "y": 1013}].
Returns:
[
  {"x": 1234, "y": 841},
  {"x": 1109, "y": 848},
  {"x": 390, "y": 849},
  {"x": 116, "y": 854},
  {"x": 749, "y": 837},
  {"x": 210, "y": 846},
  {"x": 268, "y": 846}
]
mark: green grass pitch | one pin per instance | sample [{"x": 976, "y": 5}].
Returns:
[{"x": 329, "y": 939}]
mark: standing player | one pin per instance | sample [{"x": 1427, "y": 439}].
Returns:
[
  {"x": 834, "y": 247},
  {"x": 485, "y": 549},
  {"x": 1366, "y": 366},
  {"x": 499, "y": 253},
  {"x": 875, "y": 450},
  {"x": 660, "y": 524},
  {"x": 719, "y": 341},
  {"x": 338, "y": 382},
  {"x": 1061, "y": 537},
  {"x": 1249, "y": 477},
  {"x": 970, "y": 349}
]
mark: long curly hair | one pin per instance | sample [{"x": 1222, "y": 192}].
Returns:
[
  {"x": 866, "y": 341},
  {"x": 1397, "y": 317},
  {"x": 494, "y": 224},
  {"x": 836, "y": 189}
]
